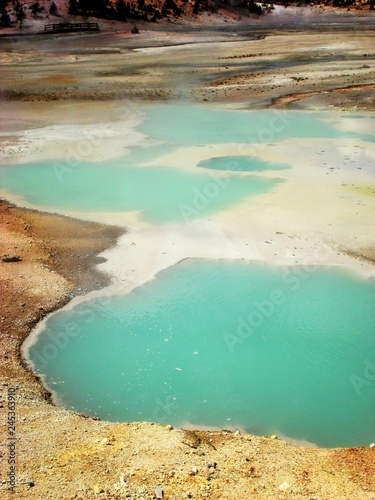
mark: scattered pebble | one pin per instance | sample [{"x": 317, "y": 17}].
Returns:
[
  {"x": 193, "y": 471},
  {"x": 284, "y": 486},
  {"x": 159, "y": 494}
]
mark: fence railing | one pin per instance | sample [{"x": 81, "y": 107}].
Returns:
[{"x": 67, "y": 27}]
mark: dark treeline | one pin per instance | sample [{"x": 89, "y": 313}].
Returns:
[
  {"x": 334, "y": 3},
  {"x": 151, "y": 10},
  {"x": 123, "y": 10}
]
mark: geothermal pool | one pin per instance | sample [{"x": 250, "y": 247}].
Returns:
[
  {"x": 216, "y": 341},
  {"x": 226, "y": 344}
]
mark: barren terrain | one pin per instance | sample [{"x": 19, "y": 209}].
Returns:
[{"x": 47, "y": 259}]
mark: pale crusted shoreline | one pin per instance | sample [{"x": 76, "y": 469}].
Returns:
[{"x": 64, "y": 455}]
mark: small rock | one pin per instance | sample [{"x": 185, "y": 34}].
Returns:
[
  {"x": 159, "y": 494},
  {"x": 104, "y": 441},
  {"x": 372, "y": 445},
  {"x": 12, "y": 258},
  {"x": 191, "y": 439},
  {"x": 97, "y": 489},
  {"x": 284, "y": 486},
  {"x": 169, "y": 427},
  {"x": 193, "y": 471},
  {"x": 273, "y": 436}
]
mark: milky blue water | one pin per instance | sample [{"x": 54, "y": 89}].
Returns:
[
  {"x": 165, "y": 194},
  {"x": 240, "y": 163},
  {"x": 192, "y": 125},
  {"x": 234, "y": 345},
  {"x": 161, "y": 195},
  {"x": 228, "y": 344}
]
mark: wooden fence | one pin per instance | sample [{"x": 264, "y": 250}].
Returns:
[{"x": 68, "y": 27}]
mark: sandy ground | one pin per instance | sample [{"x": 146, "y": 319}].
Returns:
[
  {"x": 64, "y": 455},
  {"x": 250, "y": 61}
]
